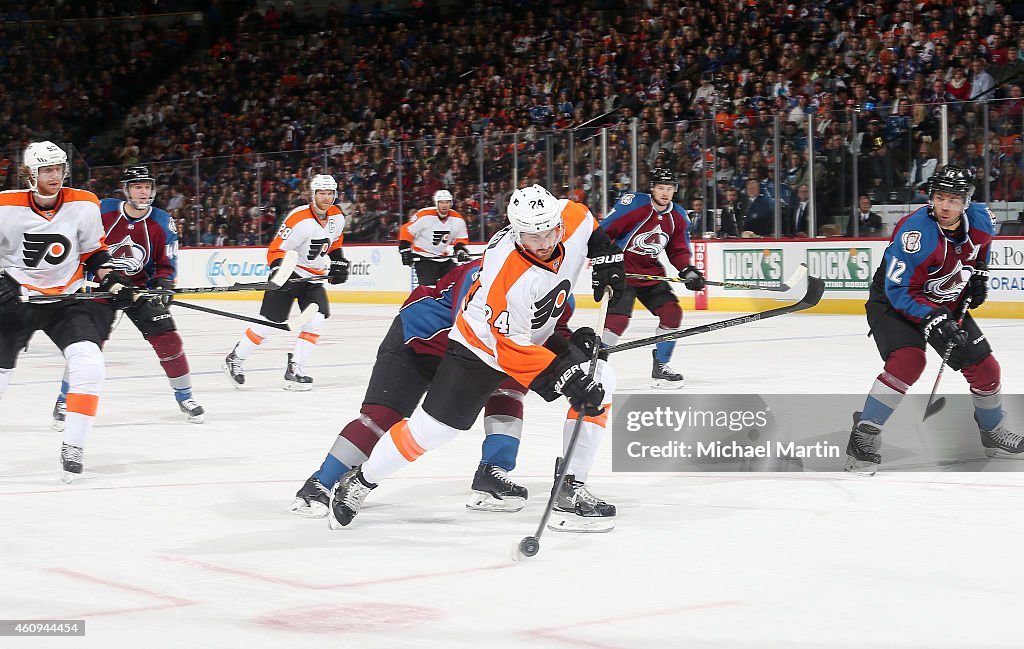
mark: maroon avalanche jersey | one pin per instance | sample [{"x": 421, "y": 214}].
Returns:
[{"x": 138, "y": 247}]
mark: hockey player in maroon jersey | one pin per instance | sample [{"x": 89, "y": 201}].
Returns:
[
  {"x": 643, "y": 225},
  {"x": 143, "y": 246},
  {"x": 936, "y": 259}
]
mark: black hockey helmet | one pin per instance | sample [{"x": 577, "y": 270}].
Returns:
[
  {"x": 952, "y": 179},
  {"x": 662, "y": 176},
  {"x": 137, "y": 174}
]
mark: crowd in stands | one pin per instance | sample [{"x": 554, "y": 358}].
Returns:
[{"x": 397, "y": 105}]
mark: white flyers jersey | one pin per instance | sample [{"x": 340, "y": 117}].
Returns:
[
  {"x": 311, "y": 237},
  {"x": 432, "y": 236},
  {"x": 513, "y": 306},
  {"x": 44, "y": 249}
]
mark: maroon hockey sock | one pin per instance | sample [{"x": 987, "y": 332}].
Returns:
[
  {"x": 903, "y": 368},
  {"x": 984, "y": 376},
  {"x": 373, "y": 421},
  {"x": 507, "y": 400},
  {"x": 171, "y": 352},
  {"x": 670, "y": 315},
  {"x": 616, "y": 323}
]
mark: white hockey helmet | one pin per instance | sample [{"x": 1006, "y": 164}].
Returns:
[
  {"x": 322, "y": 181},
  {"x": 43, "y": 154},
  {"x": 442, "y": 195},
  {"x": 533, "y": 209}
]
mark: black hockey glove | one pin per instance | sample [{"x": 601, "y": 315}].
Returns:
[
  {"x": 10, "y": 290},
  {"x": 584, "y": 393},
  {"x": 164, "y": 284},
  {"x": 941, "y": 330},
  {"x": 116, "y": 283},
  {"x": 585, "y": 339},
  {"x": 692, "y": 278},
  {"x": 609, "y": 271},
  {"x": 978, "y": 285},
  {"x": 339, "y": 269},
  {"x": 405, "y": 250},
  {"x": 461, "y": 254}
]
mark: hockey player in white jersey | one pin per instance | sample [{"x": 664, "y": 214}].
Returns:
[
  {"x": 434, "y": 239},
  {"x": 49, "y": 235},
  {"x": 316, "y": 233},
  {"x": 505, "y": 329}
]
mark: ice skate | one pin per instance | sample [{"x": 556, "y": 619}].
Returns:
[
  {"x": 494, "y": 492},
  {"x": 312, "y": 500},
  {"x": 1001, "y": 443},
  {"x": 233, "y": 368},
  {"x": 578, "y": 510},
  {"x": 193, "y": 411},
  {"x": 862, "y": 457},
  {"x": 294, "y": 379},
  {"x": 664, "y": 377},
  {"x": 71, "y": 458},
  {"x": 60, "y": 413},
  {"x": 347, "y": 497}
]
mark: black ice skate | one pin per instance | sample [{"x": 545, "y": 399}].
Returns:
[
  {"x": 233, "y": 368},
  {"x": 60, "y": 413},
  {"x": 862, "y": 455},
  {"x": 193, "y": 411},
  {"x": 494, "y": 492},
  {"x": 581, "y": 510},
  {"x": 312, "y": 500},
  {"x": 294, "y": 379},
  {"x": 347, "y": 497},
  {"x": 1001, "y": 443},
  {"x": 71, "y": 458},
  {"x": 664, "y": 377}
]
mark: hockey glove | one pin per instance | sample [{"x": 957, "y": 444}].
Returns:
[
  {"x": 405, "y": 250},
  {"x": 116, "y": 283},
  {"x": 584, "y": 393},
  {"x": 339, "y": 269},
  {"x": 978, "y": 286},
  {"x": 692, "y": 278},
  {"x": 585, "y": 339},
  {"x": 609, "y": 271},
  {"x": 10, "y": 290},
  {"x": 941, "y": 330},
  {"x": 461, "y": 254},
  {"x": 164, "y": 284}
]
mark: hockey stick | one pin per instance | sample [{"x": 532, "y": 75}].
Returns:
[
  {"x": 472, "y": 256},
  {"x": 815, "y": 289},
  {"x": 797, "y": 275},
  {"x": 530, "y": 545},
  {"x": 293, "y": 324},
  {"x": 935, "y": 405},
  {"x": 276, "y": 281}
]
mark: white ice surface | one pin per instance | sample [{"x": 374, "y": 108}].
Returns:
[{"x": 178, "y": 535}]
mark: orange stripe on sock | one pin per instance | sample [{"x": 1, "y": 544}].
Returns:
[
  {"x": 311, "y": 337},
  {"x": 402, "y": 437},
  {"x": 251, "y": 335},
  {"x": 601, "y": 420},
  {"x": 83, "y": 404}
]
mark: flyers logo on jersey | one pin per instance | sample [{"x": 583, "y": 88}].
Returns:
[
  {"x": 440, "y": 237},
  {"x": 551, "y": 305},
  {"x": 52, "y": 248}
]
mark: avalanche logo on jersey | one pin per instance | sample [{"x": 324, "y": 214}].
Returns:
[
  {"x": 53, "y": 248},
  {"x": 649, "y": 243},
  {"x": 948, "y": 287},
  {"x": 551, "y": 305},
  {"x": 127, "y": 256}
]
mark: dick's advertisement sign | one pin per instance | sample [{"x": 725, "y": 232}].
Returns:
[
  {"x": 761, "y": 267},
  {"x": 843, "y": 269}
]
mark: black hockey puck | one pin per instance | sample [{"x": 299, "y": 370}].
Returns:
[{"x": 529, "y": 546}]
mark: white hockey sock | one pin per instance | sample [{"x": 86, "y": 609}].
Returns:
[
  {"x": 5, "y": 380},
  {"x": 85, "y": 380},
  {"x": 406, "y": 441},
  {"x": 253, "y": 338},
  {"x": 592, "y": 431},
  {"x": 307, "y": 340}
]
